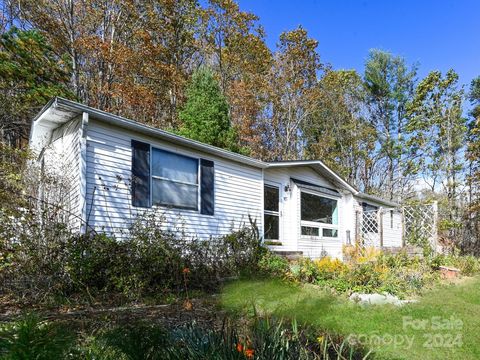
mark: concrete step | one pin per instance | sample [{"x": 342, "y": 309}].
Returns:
[{"x": 289, "y": 255}]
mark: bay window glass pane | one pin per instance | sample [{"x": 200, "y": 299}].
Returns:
[
  {"x": 169, "y": 193},
  {"x": 271, "y": 227},
  {"x": 330, "y": 233},
  {"x": 271, "y": 198},
  {"x": 174, "y": 167},
  {"x": 310, "y": 231},
  {"x": 318, "y": 209}
]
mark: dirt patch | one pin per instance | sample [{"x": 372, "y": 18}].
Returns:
[{"x": 204, "y": 312}]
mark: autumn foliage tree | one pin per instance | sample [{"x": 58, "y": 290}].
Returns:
[
  {"x": 383, "y": 129},
  {"x": 339, "y": 133},
  {"x": 291, "y": 94}
]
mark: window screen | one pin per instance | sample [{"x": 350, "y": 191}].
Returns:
[{"x": 330, "y": 233}]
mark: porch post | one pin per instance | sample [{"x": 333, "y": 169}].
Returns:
[{"x": 380, "y": 215}]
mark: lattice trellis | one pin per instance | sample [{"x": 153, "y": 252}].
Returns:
[
  {"x": 369, "y": 227},
  {"x": 420, "y": 221}
]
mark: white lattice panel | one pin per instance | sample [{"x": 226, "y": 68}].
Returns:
[
  {"x": 420, "y": 221},
  {"x": 369, "y": 228}
]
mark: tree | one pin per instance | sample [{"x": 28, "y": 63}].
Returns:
[
  {"x": 30, "y": 75},
  {"x": 339, "y": 133},
  {"x": 131, "y": 58},
  {"x": 205, "y": 114},
  {"x": 435, "y": 116},
  {"x": 233, "y": 46},
  {"x": 472, "y": 218},
  {"x": 292, "y": 93},
  {"x": 390, "y": 83}
]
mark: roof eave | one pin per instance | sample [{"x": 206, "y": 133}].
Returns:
[
  {"x": 333, "y": 174},
  {"x": 148, "y": 130},
  {"x": 376, "y": 199}
]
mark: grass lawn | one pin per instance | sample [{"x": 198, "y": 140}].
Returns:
[{"x": 450, "y": 315}]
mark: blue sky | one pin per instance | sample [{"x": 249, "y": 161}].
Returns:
[{"x": 438, "y": 35}]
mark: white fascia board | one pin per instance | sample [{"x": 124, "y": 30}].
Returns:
[
  {"x": 319, "y": 163},
  {"x": 374, "y": 200},
  {"x": 147, "y": 130}
]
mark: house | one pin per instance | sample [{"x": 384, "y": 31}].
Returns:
[{"x": 118, "y": 169}]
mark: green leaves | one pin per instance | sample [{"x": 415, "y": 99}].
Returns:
[
  {"x": 205, "y": 115},
  {"x": 30, "y": 75}
]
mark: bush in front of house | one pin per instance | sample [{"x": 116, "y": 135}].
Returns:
[
  {"x": 271, "y": 264},
  {"x": 42, "y": 260},
  {"x": 367, "y": 270}
]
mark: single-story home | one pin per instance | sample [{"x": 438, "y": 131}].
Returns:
[{"x": 118, "y": 169}]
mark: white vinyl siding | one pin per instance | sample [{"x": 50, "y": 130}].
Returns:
[
  {"x": 62, "y": 159},
  {"x": 290, "y": 213},
  {"x": 238, "y": 188},
  {"x": 392, "y": 235}
]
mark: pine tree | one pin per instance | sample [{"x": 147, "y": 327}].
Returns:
[
  {"x": 30, "y": 75},
  {"x": 205, "y": 114}
]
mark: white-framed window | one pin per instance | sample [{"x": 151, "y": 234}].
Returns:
[
  {"x": 318, "y": 215},
  {"x": 271, "y": 212},
  {"x": 175, "y": 180}
]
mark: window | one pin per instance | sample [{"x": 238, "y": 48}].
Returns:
[
  {"x": 330, "y": 233},
  {"x": 391, "y": 219},
  {"x": 319, "y": 215},
  {"x": 174, "y": 180},
  {"x": 271, "y": 227},
  {"x": 271, "y": 216},
  {"x": 164, "y": 178},
  {"x": 319, "y": 209},
  {"x": 310, "y": 231}
]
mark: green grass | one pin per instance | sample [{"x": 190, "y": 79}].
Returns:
[{"x": 334, "y": 314}]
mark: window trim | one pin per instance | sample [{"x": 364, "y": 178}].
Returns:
[
  {"x": 270, "y": 212},
  {"x": 316, "y": 224},
  {"x": 197, "y": 210}
]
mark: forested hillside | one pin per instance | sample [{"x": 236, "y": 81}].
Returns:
[{"x": 385, "y": 129}]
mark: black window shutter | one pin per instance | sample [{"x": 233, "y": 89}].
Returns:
[
  {"x": 207, "y": 187},
  {"x": 140, "y": 174}
]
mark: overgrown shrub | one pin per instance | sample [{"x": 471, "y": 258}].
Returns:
[
  {"x": 467, "y": 264},
  {"x": 328, "y": 268},
  {"x": 42, "y": 259}
]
